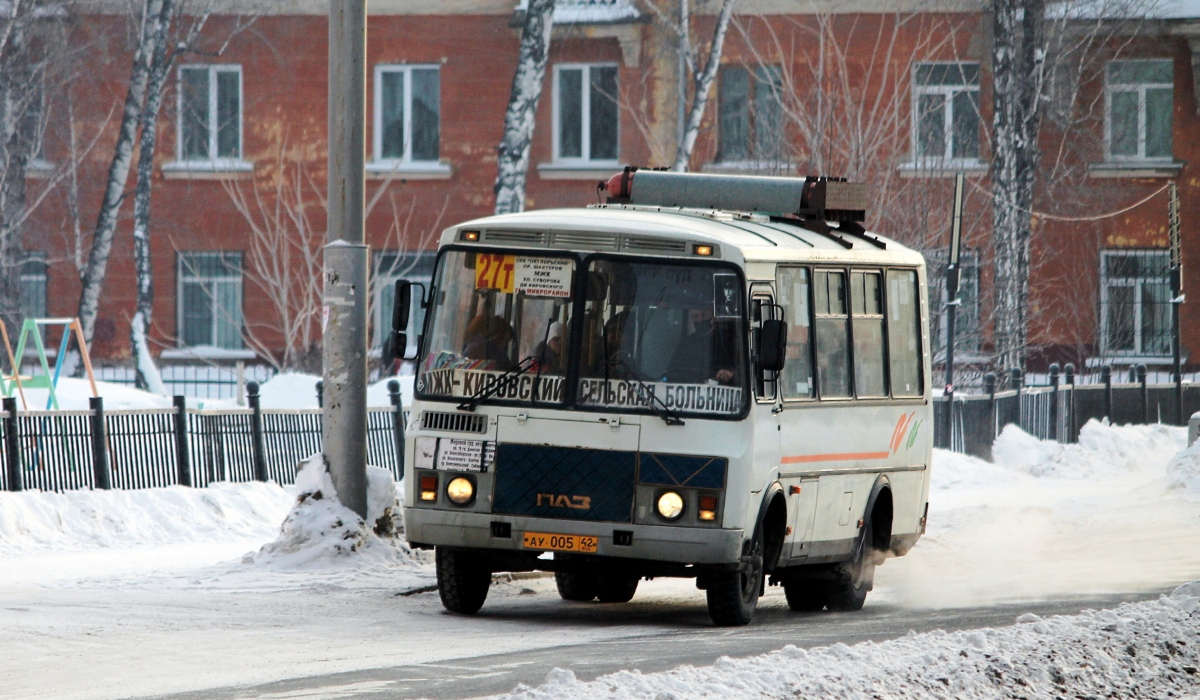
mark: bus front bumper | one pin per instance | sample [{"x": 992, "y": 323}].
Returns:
[{"x": 679, "y": 545}]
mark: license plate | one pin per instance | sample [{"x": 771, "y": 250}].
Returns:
[{"x": 559, "y": 543}]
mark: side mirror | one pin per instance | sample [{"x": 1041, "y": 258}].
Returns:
[
  {"x": 772, "y": 345},
  {"x": 397, "y": 340}
]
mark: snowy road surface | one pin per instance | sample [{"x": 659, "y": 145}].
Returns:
[{"x": 148, "y": 594}]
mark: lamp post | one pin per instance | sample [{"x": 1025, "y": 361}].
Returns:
[
  {"x": 344, "y": 319},
  {"x": 952, "y": 274}
]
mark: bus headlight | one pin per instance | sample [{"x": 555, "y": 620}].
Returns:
[
  {"x": 460, "y": 491},
  {"x": 670, "y": 505}
]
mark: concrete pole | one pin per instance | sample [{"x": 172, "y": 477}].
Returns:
[{"x": 344, "y": 429}]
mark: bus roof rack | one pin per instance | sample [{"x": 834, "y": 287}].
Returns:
[{"x": 808, "y": 199}]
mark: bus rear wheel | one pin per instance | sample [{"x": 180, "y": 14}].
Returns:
[
  {"x": 462, "y": 581},
  {"x": 856, "y": 577},
  {"x": 733, "y": 595},
  {"x": 616, "y": 588},
  {"x": 576, "y": 586}
]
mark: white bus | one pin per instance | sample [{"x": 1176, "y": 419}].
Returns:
[{"x": 715, "y": 377}]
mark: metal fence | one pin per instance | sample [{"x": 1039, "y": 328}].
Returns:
[
  {"x": 1057, "y": 411},
  {"x": 194, "y": 381},
  {"x": 134, "y": 449}
]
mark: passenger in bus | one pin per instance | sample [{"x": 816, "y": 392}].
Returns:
[
  {"x": 549, "y": 352},
  {"x": 613, "y": 359},
  {"x": 487, "y": 338},
  {"x": 706, "y": 353}
]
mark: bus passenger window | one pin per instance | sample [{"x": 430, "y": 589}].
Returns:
[
  {"x": 904, "y": 345},
  {"x": 796, "y": 379},
  {"x": 833, "y": 348},
  {"x": 868, "y": 334}
]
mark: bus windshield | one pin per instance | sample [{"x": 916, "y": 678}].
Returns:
[
  {"x": 662, "y": 334},
  {"x": 492, "y": 312}
]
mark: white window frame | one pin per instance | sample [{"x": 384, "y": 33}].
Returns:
[
  {"x": 586, "y": 116},
  {"x": 30, "y": 278},
  {"x": 1138, "y": 351},
  {"x": 377, "y": 136},
  {"x": 212, "y": 162},
  {"x": 1140, "y": 88},
  {"x": 944, "y": 161},
  {"x": 180, "y": 267}
]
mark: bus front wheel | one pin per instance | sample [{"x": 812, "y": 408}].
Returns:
[
  {"x": 733, "y": 595},
  {"x": 462, "y": 581},
  {"x": 616, "y": 588}
]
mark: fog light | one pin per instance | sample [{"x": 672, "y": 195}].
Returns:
[
  {"x": 670, "y": 505},
  {"x": 460, "y": 491},
  {"x": 471, "y": 236},
  {"x": 429, "y": 488},
  {"x": 708, "y": 508}
]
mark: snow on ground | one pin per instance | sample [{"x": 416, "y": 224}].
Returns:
[
  {"x": 1046, "y": 519},
  {"x": 73, "y": 395},
  {"x": 296, "y": 390},
  {"x": 205, "y": 582},
  {"x": 1137, "y": 650}
]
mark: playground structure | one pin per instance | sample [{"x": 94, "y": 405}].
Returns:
[{"x": 32, "y": 327}]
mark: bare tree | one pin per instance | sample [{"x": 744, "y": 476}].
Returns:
[
  {"x": 702, "y": 81},
  {"x": 285, "y": 212},
  {"x": 513, "y": 160}
]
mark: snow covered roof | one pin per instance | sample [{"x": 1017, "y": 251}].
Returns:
[{"x": 590, "y": 11}]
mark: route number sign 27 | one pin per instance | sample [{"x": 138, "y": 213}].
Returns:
[{"x": 495, "y": 272}]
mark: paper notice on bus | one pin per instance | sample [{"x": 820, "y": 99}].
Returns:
[
  {"x": 543, "y": 277},
  {"x": 460, "y": 455},
  {"x": 686, "y": 398}
]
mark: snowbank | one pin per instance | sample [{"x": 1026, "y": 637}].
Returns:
[
  {"x": 34, "y": 521},
  {"x": 295, "y": 390},
  {"x": 1183, "y": 472},
  {"x": 1103, "y": 451},
  {"x": 1137, "y": 650},
  {"x": 320, "y": 531},
  {"x": 73, "y": 395}
]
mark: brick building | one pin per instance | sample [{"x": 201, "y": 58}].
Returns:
[{"x": 897, "y": 97}]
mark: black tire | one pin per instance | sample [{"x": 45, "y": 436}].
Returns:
[
  {"x": 733, "y": 595},
  {"x": 856, "y": 577},
  {"x": 805, "y": 596},
  {"x": 616, "y": 588},
  {"x": 462, "y": 581},
  {"x": 576, "y": 586}
]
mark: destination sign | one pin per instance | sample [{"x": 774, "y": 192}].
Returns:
[
  {"x": 691, "y": 398},
  {"x": 468, "y": 382}
]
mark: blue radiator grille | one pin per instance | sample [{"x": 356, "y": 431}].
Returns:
[{"x": 556, "y": 482}]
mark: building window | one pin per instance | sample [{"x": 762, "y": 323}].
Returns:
[
  {"x": 33, "y": 288},
  {"x": 946, "y": 111},
  {"x": 210, "y": 299},
  {"x": 407, "y": 114},
  {"x": 210, "y": 113},
  {"x": 392, "y": 265},
  {"x": 1140, "y": 97},
  {"x": 1135, "y": 301},
  {"x": 585, "y": 113},
  {"x": 750, "y": 114}
]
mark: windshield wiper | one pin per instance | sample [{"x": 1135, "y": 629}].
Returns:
[
  {"x": 662, "y": 410},
  {"x": 494, "y": 384}
]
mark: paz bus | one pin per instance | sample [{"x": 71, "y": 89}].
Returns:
[{"x": 723, "y": 378}]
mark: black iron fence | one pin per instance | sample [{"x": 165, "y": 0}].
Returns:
[
  {"x": 1057, "y": 410},
  {"x": 134, "y": 449}
]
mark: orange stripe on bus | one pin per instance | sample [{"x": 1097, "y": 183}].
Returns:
[
  {"x": 898, "y": 431},
  {"x": 839, "y": 457}
]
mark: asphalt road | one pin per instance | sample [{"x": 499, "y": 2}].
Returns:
[{"x": 689, "y": 638}]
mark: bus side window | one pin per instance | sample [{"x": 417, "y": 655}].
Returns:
[
  {"x": 867, "y": 311},
  {"x": 904, "y": 333},
  {"x": 832, "y": 331},
  {"x": 796, "y": 381}
]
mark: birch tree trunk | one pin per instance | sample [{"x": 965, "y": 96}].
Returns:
[
  {"x": 513, "y": 160},
  {"x": 702, "y": 87},
  {"x": 118, "y": 171},
  {"x": 15, "y": 151},
  {"x": 148, "y": 376},
  {"x": 1017, "y": 64}
]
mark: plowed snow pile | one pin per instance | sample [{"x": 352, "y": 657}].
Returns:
[
  {"x": 1115, "y": 512},
  {"x": 1142, "y": 650}
]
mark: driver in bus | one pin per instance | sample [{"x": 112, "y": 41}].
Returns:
[
  {"x": 706, "y": 353},
  {"x": 488, "y": 338}
]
